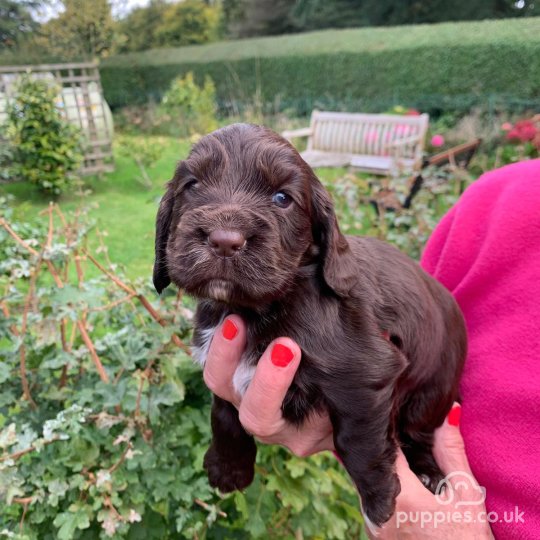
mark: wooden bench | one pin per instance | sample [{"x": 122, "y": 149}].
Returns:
[{"x": 383, "y": 144}]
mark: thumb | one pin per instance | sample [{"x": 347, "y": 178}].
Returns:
[
  {"x": 260, "y": 410},
  {"x": 449, "y": 448}
]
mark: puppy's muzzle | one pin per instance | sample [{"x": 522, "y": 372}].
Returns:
[{"x": 226, "y": 242}]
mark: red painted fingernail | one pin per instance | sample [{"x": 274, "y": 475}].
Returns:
[
  {"x": 281, "y": 355},
  {"x": 454, "y": 415},
  {"x": 229, "y": 330}
]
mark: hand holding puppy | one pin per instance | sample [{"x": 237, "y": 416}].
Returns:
[
  {"x": 260, "y": 407},
  {"x": 260, "y": 414}
]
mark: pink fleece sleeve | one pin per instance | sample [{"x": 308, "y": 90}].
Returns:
[{"x": 486, "y": 251}]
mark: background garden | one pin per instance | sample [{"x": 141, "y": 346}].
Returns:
[{"x": 103, "y": 418}]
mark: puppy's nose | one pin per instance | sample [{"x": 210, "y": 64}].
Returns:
[{"x": 226, "y": 243}]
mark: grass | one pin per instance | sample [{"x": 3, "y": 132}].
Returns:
[
  {"x": 357, "y": 40},
  {"x": 123, "y": 208}
]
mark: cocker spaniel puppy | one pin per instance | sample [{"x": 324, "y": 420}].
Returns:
[{"x": 246, "y": 227}]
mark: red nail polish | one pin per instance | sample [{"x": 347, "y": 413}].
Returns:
[
  {"x": 454, "y": 415},
  {"x": 281, "y": 355},
  {"x": 229, "y": 330}
]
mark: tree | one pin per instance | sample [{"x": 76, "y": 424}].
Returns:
[
  {"x": 263, "y": 17},
  {"x": 315, "y": 14},
  {"x": 84, "y": 30},
  {"x": 189, "y": 22},
  {"x": 161, "y": 24},
  {"x": 395, "y": 12},
  {"x": 259, "y": 17},
  {"x": 15, "y": 22},
  {"x": 138, "y": 31}
]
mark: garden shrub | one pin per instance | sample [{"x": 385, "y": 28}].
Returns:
[
  {"x": 104, "y": 418},
  {"x": 45, "y": 149},
  {"x": 190, "y": 109},
  {"x": 451, "y": 66}
]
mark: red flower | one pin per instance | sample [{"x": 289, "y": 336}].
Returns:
[{"x": 523, "y": 131}]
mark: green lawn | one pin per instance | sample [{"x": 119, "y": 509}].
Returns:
[
  {"x": 352, "y": 40},
  {"x": 123, "y": 208}
]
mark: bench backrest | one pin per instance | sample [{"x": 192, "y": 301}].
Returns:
[{"x": 367, "y": 134}]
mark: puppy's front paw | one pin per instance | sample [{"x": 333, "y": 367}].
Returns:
[{"x": 228, "y": 474}]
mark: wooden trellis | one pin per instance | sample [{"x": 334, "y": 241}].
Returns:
[{"x": 81, "y": 102}]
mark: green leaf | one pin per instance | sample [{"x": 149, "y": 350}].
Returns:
[
  {"x": 5, "y": 372},
  {"x": 69, "y": 522}
]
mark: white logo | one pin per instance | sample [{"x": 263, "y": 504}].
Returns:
[{"x": 470, "y": 492}]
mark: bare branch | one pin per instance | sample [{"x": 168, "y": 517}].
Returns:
[
  {"x": 142, "y": 299},
  {"x": 208, "y": 508},
  {"x": 20, "y": 453},
  {"x": 17, "y": 238},
  {"x": 90, "y": 346}
]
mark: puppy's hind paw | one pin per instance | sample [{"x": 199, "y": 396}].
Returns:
[
  {"x": 432, "y": 481},
  {"x": 379, "y": 505},
  {"x": 228, "y": 475}
]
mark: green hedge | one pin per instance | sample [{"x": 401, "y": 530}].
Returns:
[{"x": 447, "y": 66}]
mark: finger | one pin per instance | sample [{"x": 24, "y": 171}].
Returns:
[
  {"x": 449, "y": 452},
  {"x": 260, "y": 410},
  {"x": 223, "y": 357},
  {"x": 449, "y": 448}
]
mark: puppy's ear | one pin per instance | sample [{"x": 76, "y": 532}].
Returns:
[
  {"x": 339, "y": 269},
  {"x": 163, "y": 224}
]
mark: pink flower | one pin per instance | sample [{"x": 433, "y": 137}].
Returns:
[
  {"x": 412, "y": 112},
  {"x": 437, "y": 140},
  {"x": 507, "y": 126}
]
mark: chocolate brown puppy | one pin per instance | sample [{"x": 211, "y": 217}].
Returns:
[{"x": 246, "y": 227}]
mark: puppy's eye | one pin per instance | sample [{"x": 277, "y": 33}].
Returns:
[
  {"x": 281, "y": 199},
  {"x": 190, "y": 184}
]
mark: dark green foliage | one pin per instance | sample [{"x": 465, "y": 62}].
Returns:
[
  {"x": 395, "y": 12},
  {"x": 316, "y": 14},
  {"x": 45, "y": 148},
  {"x": 261, "y": 17},
  {"x": 450, "y": 66},
  {"x": 15, "y": 22},
  {"x": 123, "y": 458}
]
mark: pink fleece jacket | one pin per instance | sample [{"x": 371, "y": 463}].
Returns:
[{"x": 486, "y": 251}]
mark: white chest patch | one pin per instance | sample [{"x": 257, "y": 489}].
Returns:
[
  {"x": 245, "y": 370},
  {"x": 200, "y": 352},
  {"x": 242, "y": 376}
]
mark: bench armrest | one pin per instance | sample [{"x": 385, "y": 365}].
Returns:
[
  {"x": 302, "y": 132},
  {"x": 404, "y": 141}
]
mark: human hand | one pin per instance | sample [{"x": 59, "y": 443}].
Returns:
[
  {"x": 260, "y": 414},
  {"x": 459, "y": 512},
  {"x": 260, "y": 408}
]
